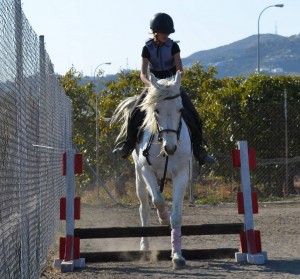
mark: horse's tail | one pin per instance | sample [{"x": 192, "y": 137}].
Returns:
[{"x": 122, "y": 114}]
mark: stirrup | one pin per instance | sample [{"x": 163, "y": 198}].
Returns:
[
  {"x": 208, "y": 159},
  {"x": 205, "y": 158}
]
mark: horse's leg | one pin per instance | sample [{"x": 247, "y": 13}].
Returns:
[
  {"x": 179, "y": 185},
  {"x": 162, "y": 211},
  {"x": 163, "y": 216},
  {"x": 157, "y": 198},
  {"x": 144, "y": 209}
]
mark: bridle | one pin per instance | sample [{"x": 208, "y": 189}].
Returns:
[
  {"x": 159, "y": 132},
  {"x": 177, "y": 132}
]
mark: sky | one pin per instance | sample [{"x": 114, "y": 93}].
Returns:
[{"x": 85, "y": 34}]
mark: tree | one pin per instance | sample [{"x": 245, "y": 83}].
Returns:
[
  {"x": 83, "y": 103},
  {"x": 232, "y": 109}
]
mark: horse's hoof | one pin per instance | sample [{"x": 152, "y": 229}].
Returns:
[
  {"x": 178, "y": 261},
  {"x": 164, "y": 221}
]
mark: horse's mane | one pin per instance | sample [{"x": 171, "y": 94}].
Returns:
[
  {"x": 122, "y": 114},
  {"x": 164, "y": 88},
  {"x": 155, "y": 95}
]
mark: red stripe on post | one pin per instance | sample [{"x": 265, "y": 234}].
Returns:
[
  {"x": 78, "y": 163},
  {"x": 236, "y": 160},
  {"x": 77, "y": 208},
  {"x": 62, "y": 213},
  {"x": 240, "y": 202},
  {"x": 254, "y": 203},
  {"x": 68, "y": 249},
  {"x": 63, "y": 208},
  {"x": 64, "y": 165},
  {"x": 252, "y": 158},
  {"x": 76, "y": 248},
  {"x": 257, "y": 241},
  {"x": 243, "y": 242},
  {"x": 62, "y": 244},
  {"x": 251, "y": 241}
]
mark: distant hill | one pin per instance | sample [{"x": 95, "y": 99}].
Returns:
[
  {"x": 278, "y": 55},
  {"x": 98, "y": 81}
]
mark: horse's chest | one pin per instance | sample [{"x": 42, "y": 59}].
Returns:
[{"x": 165, "y": 167}]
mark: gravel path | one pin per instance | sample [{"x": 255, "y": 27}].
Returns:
[{"x": 279, "y": 226}]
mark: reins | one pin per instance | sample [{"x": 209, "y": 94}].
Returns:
[
  {"x": 146, "y": 150},
  {"x": 172, "y": 97},
  {"x": 163, "y": 180}
]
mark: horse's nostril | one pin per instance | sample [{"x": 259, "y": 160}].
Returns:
[{"x": 170, "y": 150}]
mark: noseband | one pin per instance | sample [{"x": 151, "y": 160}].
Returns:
[{"x": 177, "y": 132}]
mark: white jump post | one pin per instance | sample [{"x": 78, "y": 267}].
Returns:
[
  {"x": 69, "y": 211},
  {"x": 250, "y": 239}
]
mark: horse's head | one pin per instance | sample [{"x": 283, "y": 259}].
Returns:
[{"x": 163, "y": 108}]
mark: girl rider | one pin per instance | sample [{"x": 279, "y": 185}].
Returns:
[{"x": 162, "y": 56}]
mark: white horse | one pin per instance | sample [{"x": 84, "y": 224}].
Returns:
[{"x": 164, "y": 151}]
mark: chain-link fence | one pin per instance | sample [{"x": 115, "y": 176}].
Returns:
[{"x": 35, "y": 129}]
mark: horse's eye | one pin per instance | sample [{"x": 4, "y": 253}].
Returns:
[{"x": 156, "y": 111}]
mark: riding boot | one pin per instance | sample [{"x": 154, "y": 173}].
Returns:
[
  {"x": 194, "y": 123},
  {"x": 134, "y": 122},
  {"x": 202, "y": 156}
]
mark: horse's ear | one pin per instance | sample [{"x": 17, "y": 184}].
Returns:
[
  {"x": 178, "y": 78},
  {"x": 153, "y": 80}
]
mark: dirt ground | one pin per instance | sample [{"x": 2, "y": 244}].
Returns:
[{"x": 279, "y": 226}]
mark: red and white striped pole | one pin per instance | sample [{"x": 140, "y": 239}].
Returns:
[
  {"x": 69, "y": 254},
  {"x": 245, "y": 158}
]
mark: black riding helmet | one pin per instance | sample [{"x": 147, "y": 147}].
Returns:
[{"x": 162, "y": 23}]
